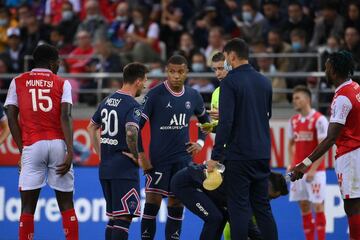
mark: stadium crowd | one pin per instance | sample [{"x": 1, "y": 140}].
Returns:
[{"x": 103, "y": 36}]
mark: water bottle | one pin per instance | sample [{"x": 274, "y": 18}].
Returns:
[{"x": 220, "y": 167}]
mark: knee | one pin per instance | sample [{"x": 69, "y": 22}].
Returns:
[
  {"x": 153, "y": 198},
  {"x": 305, "y": 206}
]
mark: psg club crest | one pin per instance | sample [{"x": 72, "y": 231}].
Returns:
[{"x": 187, "y": 105}]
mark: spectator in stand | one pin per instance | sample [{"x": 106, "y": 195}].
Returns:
[
  {"x": 81, "y": 55},
  {"x": 143, "y": 37},
  {"x": 297, "y": 19},
  {"x": 94, "y": 23},
  {"x": 277, "y": 45},
  {"x": 202, "y": 85},
  {"x": 107, "y": 59},
  {"x": 273, "y": 17},
  {"x": 333, "y": 44},
  {"x": 54, "y": 10},
  {"x": 186, "y": 46},
  {"x": 171, "y": 26},
  {"x": 353, "y": 15},
  {"x": 266, "y": 65},
  {"x": 5, "y": 23},
  {"x": 251, "y": 26},
  {"x": 352, "y": 44},
  {"x": 4, "y": 83},
  {"x": 299, "y": 64},
  {"x": 15, "y": 51},
  {"x": 57, "y": 38},
  {"x": 216, "y": 43},
  {"x": 35, "y": 33},
  {"x": 155, "y": 68},
  {"x": 69, "y": 22},
  {"x": 329, "y": 23},
  {"x": 117, "y": 30},
  {"x": 23, "y": 12},
  {"x": 203, "y": 22}
]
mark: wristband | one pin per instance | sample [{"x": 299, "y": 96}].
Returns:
[
  {"x": 307, "y": 162},
  {"x": 200, "y": 142}
]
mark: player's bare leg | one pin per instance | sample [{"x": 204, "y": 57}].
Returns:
[
  {"x": 308, "y": 221},
  {"x": 174, "y": 220},
  {"x": 120, "y": 228},
  {"x": 320, "y": 220},
  {"x": 28, "y": 205},
  {"x": 148, "y": 221},
  {"x": 352, "y": 209},
  {"x": 69, "y": 219}
]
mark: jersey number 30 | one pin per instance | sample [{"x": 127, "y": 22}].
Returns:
[
  {"x": 39, "y": 96},
  {"x": 109, "y": 119}
]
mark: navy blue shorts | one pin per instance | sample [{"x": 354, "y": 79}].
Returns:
[
  {"x": 158, "y": 181},
  {"x": 122, "y": 197}
]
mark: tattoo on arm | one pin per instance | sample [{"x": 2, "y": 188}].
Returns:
[{"x": 132, "y": 140}]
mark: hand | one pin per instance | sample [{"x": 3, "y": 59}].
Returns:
[
  {"x": 63, "y": 168},
  {"x": 298, "y": 172},
  {"x": 193, "y": 147},
  {"x": 310, "y": 176},
  {"x": 206, "y": 128},
  {"x": 132, "y": 157},
  {"x": 211, "y": 165},
  {"x": 214, "y": 113}
]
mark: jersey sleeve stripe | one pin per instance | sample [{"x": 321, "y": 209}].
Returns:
[
  {"x": 132, "y": 124},
  {"x": 144, "y": 116},
  {"x": 203, "y": 113},
  {"x": 342, "y": 122},
  {"x": 95, "y": 123}
]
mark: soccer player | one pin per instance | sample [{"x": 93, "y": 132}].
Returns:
[
  {"x": 344, "y": 131},
  {"x": 211, "y": 206},
  {"x": 306, "y": 130},
  {"x": 4, "y": 127},
  {"x": 169, "y": 107},
  {"x": 44, "y": 137},
  {"x": 118, "y": 118}
]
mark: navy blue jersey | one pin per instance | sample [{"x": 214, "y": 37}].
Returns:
[
  {"x": 2, "y": 113},
  {"x": 114, "y": 114},
  {"x": 169, "y": 114}
]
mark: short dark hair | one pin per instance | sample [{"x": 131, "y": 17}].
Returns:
[
  {"x": 133, "y": 71},
  {"x": 239, "y": 47},
  {"x": 219, "y": 56},
  {"x": 177, "y": 60},
  {"x": 278, "y": 183},
  {"x": 303, "y": 89},
  {"x": 296, "y": 3},
  {"x": 298, "y": 33},
  {"x": 342, "y": 63},
  {"x": 44, "y": 54}
]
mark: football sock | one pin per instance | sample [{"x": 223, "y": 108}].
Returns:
[
  {"x": 148, "y": 221},
  {"x": 173, "y": 223},
  {"x": 309, "y": 226},
  {"x": 320, "y": 222},
  {"x": 26, "y": 226},
  {"x": 70, "y": 224}
]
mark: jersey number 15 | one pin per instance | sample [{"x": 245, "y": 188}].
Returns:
[{"x": 38, "y": 95}]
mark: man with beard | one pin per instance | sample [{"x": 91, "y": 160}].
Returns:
[{"x": 344, "y": 131}]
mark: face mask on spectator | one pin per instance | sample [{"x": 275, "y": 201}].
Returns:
[
  {"x": 227, "y": 66},
  {"x": 92, "y": 17},
  {"x": 294, "y": 20},
  {"x": 3, "y": 22},
  {"x": 296, "y": 46},
  {"x": 67, "y": 15},
  {"x": 247, "y": 16},
  {"x": 198, "y": 67},
  {"x": 121, "y": 18},
  {"x": 138, "y": 22},
  {"x": 156, "y": 71}
]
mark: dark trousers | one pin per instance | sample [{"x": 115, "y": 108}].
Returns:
[{"x": 247, "y": 192}]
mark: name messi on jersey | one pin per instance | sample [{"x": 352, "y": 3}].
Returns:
[
  {"x": 176, "y": 122},
  {"x": 113, "y": 102},
  {"x": 39, "y": 83}
]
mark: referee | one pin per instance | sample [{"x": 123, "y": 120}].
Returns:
[{"x": 245, "y": 109}]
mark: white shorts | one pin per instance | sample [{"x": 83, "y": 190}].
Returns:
[
  {"x": 347, "y": 168},
  {"x": 314, "y": 191},
  {"x": 38, "y": 166}
]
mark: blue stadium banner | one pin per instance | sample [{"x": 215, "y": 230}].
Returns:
[{"x": 90, "y": 208}]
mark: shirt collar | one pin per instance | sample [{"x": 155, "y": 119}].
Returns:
[
  {"x": 41, "y": 70},
  {"x": 343, "y": 85}
]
